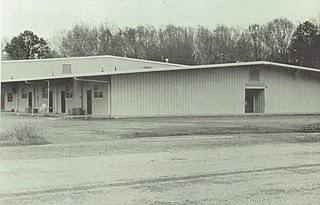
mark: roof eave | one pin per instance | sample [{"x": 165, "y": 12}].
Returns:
[{"x": 226, "y": 65}]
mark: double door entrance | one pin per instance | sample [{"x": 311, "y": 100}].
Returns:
[{"x": 254, "y": 101}]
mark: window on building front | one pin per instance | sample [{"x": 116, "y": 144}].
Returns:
[
  {"x": 97, "y": 92},
  {"x": 69, "y": 92},
  {"x": 24, "y": 93},
  {"x": 254, "y": 75},
  {"x": 44, "y": 92},
  {"x": 66, "y": 68},
  {"x": 9, "y": 96}
]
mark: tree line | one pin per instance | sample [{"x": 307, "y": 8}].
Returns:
[{"x": 276, "y": 41}]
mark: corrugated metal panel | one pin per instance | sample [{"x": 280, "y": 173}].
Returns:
[
  {"x": 291, "y": 92},
  {"x": 212, "y": 92},
  {"x": 30, "y": 69},
  {"x": 186, "y": 92},
  {"x": 191, "y": 92}
]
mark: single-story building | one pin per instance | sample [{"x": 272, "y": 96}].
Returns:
[{"x": 124, "y": 87}]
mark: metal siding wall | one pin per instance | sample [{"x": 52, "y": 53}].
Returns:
[
  {"x": 25, "y": 69},
  {"x": 190, "y": 92},
  {"x": 100, "y": 105},
  {"x": 288, "y": 93}
]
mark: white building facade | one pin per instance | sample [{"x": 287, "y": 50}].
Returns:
[{"x": 121, "y": 87}]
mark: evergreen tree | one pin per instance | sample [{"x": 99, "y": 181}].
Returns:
[
  {"x": 27, "y": 45},
  {"x": 301, "y": 45}
]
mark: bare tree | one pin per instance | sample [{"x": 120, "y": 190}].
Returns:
[
  {"x": 181, "y": 44},
  {"x": 4, "y": 55},
  {"x": 244, "y": 49},
  {"x": 277, "y": 37},
  {"x": 176, "y": 44},
  {"x": 203, "y": 48},
  {"x": 225, "y": 39},
  {"x": 256, "y": 34},
  {"x": 217, "y": 46},
  {"x": 81, "y": 40}
]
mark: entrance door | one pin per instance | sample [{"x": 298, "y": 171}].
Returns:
[
  {"x": 2, "y": 101},
  {"x": 51, "y": 101},
  {"x": 63, "y": 101},
  {"x": 254, "y": 101},
  {"x": 249, "y": 101},
  {"x": 89, "y": 102},
  {"x": 30, "y": 99}
]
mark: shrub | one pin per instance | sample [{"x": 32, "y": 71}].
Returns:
[{"x": 23, "y": 134}]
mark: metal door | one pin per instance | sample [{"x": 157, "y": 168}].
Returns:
[
  {"x": 63, "y": 101},
  {"x": 89, "y": 102},
  {"x": 30, "y": 99},
  {"x": 51, "y": 101},
  {"x": 2, "y": 101}
]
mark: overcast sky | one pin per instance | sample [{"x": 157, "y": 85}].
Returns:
[{"x": 45, "y": 17}]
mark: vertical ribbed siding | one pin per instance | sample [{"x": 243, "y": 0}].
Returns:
[
  {"x": 190, "y": 92},
  {"x": 287, "y": 92},
  {"x": 44, "y": 68},
  {"x": 211, "y": 92}
]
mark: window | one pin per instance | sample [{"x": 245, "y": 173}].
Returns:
[
  {"x": 66, "y": 68},
  {"x": 97, "y": 92},
  {"x": 69, "y": 92},
  {"x": 24, "y": 93},
  {"x": 44, "y": 92},
  {"x": 254, "y": 75},
  {"x": 9, "y": 96}
]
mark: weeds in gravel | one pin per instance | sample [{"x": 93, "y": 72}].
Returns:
[{"x": 22, "y": 134}]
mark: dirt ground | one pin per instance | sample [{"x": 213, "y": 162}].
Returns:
[{"x": 194, "y": 160}]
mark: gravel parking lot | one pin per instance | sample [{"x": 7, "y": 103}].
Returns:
[{"x": 194, "y": 160}]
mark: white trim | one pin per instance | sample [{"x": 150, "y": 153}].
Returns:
[
  {"x": 255, "y": 87},
  {"x": 90, "y": 57},
  {"x": 90, "y": 80},
  {"x": 291, "y": 66}
]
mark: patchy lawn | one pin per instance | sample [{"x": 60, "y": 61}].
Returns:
[{"x": 64, "y": 130}]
